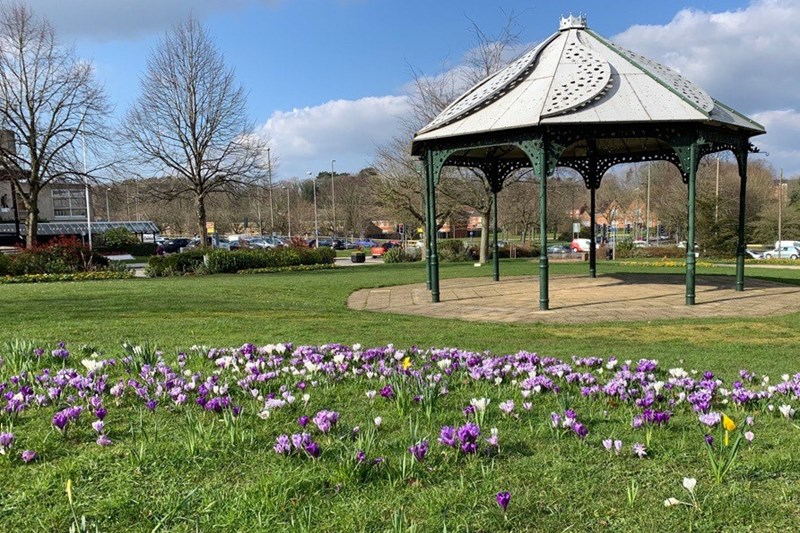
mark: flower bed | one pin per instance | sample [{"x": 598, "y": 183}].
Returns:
[
  {"x": 77, "y": 276},
  {"x": 439, "y": 409}
]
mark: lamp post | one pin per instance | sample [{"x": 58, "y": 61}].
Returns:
[
  {"x": 108, "y": 208},
  {"x": 269, "y": 181},
  {"x": 316, "y": 226},
  {"x": 333, "y": 198}
]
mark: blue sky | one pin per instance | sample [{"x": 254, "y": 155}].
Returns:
[{"x": 327, "y": 79}]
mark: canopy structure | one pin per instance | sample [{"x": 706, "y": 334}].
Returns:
[
  {"x": 580, "y": 101},
  {"x": 81, "y": 228}
]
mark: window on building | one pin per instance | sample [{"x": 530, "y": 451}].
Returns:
[{"x": 69, "y": 203}]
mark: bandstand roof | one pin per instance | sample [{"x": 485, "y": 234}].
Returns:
[{"x": 576, "y": 77}]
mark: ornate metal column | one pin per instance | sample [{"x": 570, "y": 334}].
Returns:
[
  {"x": 496, "y": 249},
  {"x": 544, "y": 274},
  {"x": 433, "y": 257},
  {"x": 592, "y": 233},
  {"x": 690, "y": 257},
  {"x": 427, "y": 224},
  {"x": 741, "y": 159}
]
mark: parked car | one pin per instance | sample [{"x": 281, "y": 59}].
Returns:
[
  {"x": 173, "y": 246},
  {"x": 581, "y": 245},
  {"x": 640, "y": 243},
  {"x": 210, "y": 242},
  {"x": 378, "y": 251},
  {"x": 783, "y": 252},
  {"x": 752, "y": 254},
  {"x": 558, "y": 249}
]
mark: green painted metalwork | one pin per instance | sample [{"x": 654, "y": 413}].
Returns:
[
  {"x": 690, "y": 258},
  {"x": 427, "y": 225},
  {"x": 741, "y": 159},
  {"x": 496, "y": 248},
  {"x": 434, "y": 253},
  {"x": 544, "y": 280},
  {"x": 593, "y": 224}
]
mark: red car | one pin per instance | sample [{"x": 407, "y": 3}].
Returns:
[{"x": 378, "y": 251}]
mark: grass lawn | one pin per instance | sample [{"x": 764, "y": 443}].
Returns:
[{"x": 176, "y": 466}]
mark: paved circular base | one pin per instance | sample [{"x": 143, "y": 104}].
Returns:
[{"x": 576, "y": 299}]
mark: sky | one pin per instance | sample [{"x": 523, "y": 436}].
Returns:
[{"x": 329, "y": 79}]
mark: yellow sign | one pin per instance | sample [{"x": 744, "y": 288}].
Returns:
[{"x": 210, "y": 227}]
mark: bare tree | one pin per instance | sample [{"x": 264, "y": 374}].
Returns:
[
  {"x": 48, "y": 97},
  {"x": 190, "y": 122}
]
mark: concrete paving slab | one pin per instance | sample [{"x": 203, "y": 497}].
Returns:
[{"x": 579, "y": 299}]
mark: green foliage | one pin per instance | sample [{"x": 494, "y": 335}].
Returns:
[
  {"x": 227, "y": 261},
  {"x": 5, "y": 264},
  {"x": 95, "y": 275},
  {"x": 453, "y": 250},
  {"x": 402, "y": 255},
  {"x": 505, "y": 252},
  {"x": 174, "y": 264},
  {"x": 118, "y": 239}
]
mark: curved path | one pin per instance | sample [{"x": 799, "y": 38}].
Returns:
[{"x": 576, "y": 299}]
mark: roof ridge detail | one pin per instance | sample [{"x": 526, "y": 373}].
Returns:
[
  {"x": 490, "y": 88},
  {"x": 688, "y": 91},
  {"x": 582, "y": 77}
]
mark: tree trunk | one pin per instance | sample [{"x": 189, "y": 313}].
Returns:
[
  {"x": 485, "y": 224},
  {"x": 202, "y": 231},
  {"x": 32, "y": 218}
]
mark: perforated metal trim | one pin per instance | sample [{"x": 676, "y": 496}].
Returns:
[
  {"x": 490, "y": 89},
  {"x": 582, "y": 77},
  {"x": 689, "y": 90}
]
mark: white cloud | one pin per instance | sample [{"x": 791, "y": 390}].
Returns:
[
  {"x": 346, "y": 130},
  {"x": 747, "y": 59},
  {"x": 126, "y": 19},
  {"x": 781, "y": 143}
]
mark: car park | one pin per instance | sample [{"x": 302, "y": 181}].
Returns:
[
  {"x": 783, "y": 252},
  {"x": 173, "y": 246}
]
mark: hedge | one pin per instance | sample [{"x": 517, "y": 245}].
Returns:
[{"x": 225, "y": 261}]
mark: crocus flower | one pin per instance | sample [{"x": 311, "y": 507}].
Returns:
[
  {"x": 6, "y": 442},
  {"x": 419, "y": 450},
  {"x": 303, "y": 421},
  {"x": 447, "y": 436},
  {"x": 312, "y": 449},
  {"x": 669, "y": 502},
  {"x": 710, "y": 419},
  {"x": 102, "y": 440},
  {"x": 503, "y": 499},
  {"x": 749, "y": 436},
  {"x": 787, "y": 411},
  {"x": 283, "y": 445},
  {"x": 97, "y": 425},
  {"x": 639, "y": 449},
  {"x": 727, "y": 423},
  {"x": 507, "y": 407},
  {"x": 689, "y": 484},
  {"x": 617, "y": 446},
  {"x": 28, "y": 456},
  {"x": 360, "y": 456},
  {"x": 608, "y": 444},
  {"x": 378, "y": 421}
]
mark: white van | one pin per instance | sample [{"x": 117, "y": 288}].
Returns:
[{"x": 791, "y": 244}]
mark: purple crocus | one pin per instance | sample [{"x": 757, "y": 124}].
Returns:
[
  {"x": 447, "y": 436},
  {"x": 103, "y": 440},
  {"x": 303, "y": 421},
  {"x": 312, "y": 449},
  {"x": 639, "y": 449},
  {"x": 710, "y": 419},
  {"x": 283, "y": 445},
  {"x": 6, "y": 442},
  {"x": 503, "y": 499},
  {"x": 326, "y": 420},
  {"x": 28, "y": 456},
  {"x": 387, "y": 392},
  {"x": 361, "y": 456},
  {"x": 419, "y": 450}
]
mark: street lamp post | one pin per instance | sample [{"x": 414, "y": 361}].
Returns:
[
  {"x": 86, "y": 185},
  {"x": 269, "y": 181},
  {"x": 316, "y": 226},
  {"x": 333, "y": 198}
]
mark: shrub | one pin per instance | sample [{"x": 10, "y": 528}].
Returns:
[
  {"x": 174, "y": 264},
  {"x": 226, "y": 261},
  {"x": 402, "y": 255},
  {"x": 453, "y": 250},
  {"x": 60, "y": 256},
  {"x": 504, "y": 252},
  {"x": 118, "y": 239},
  {"x": 5, "y": 264},
  {"x": 142, "y": 249}
]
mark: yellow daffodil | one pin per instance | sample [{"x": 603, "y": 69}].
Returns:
[
  {"x": 406, "y": 363},
  {"x": 727, "y": 423}
]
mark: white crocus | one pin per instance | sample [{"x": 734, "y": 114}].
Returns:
[
  {"x": 480, "y": 404},
  {"x": 787, "y": 411},
  {"x": 689, "y": 484}
]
